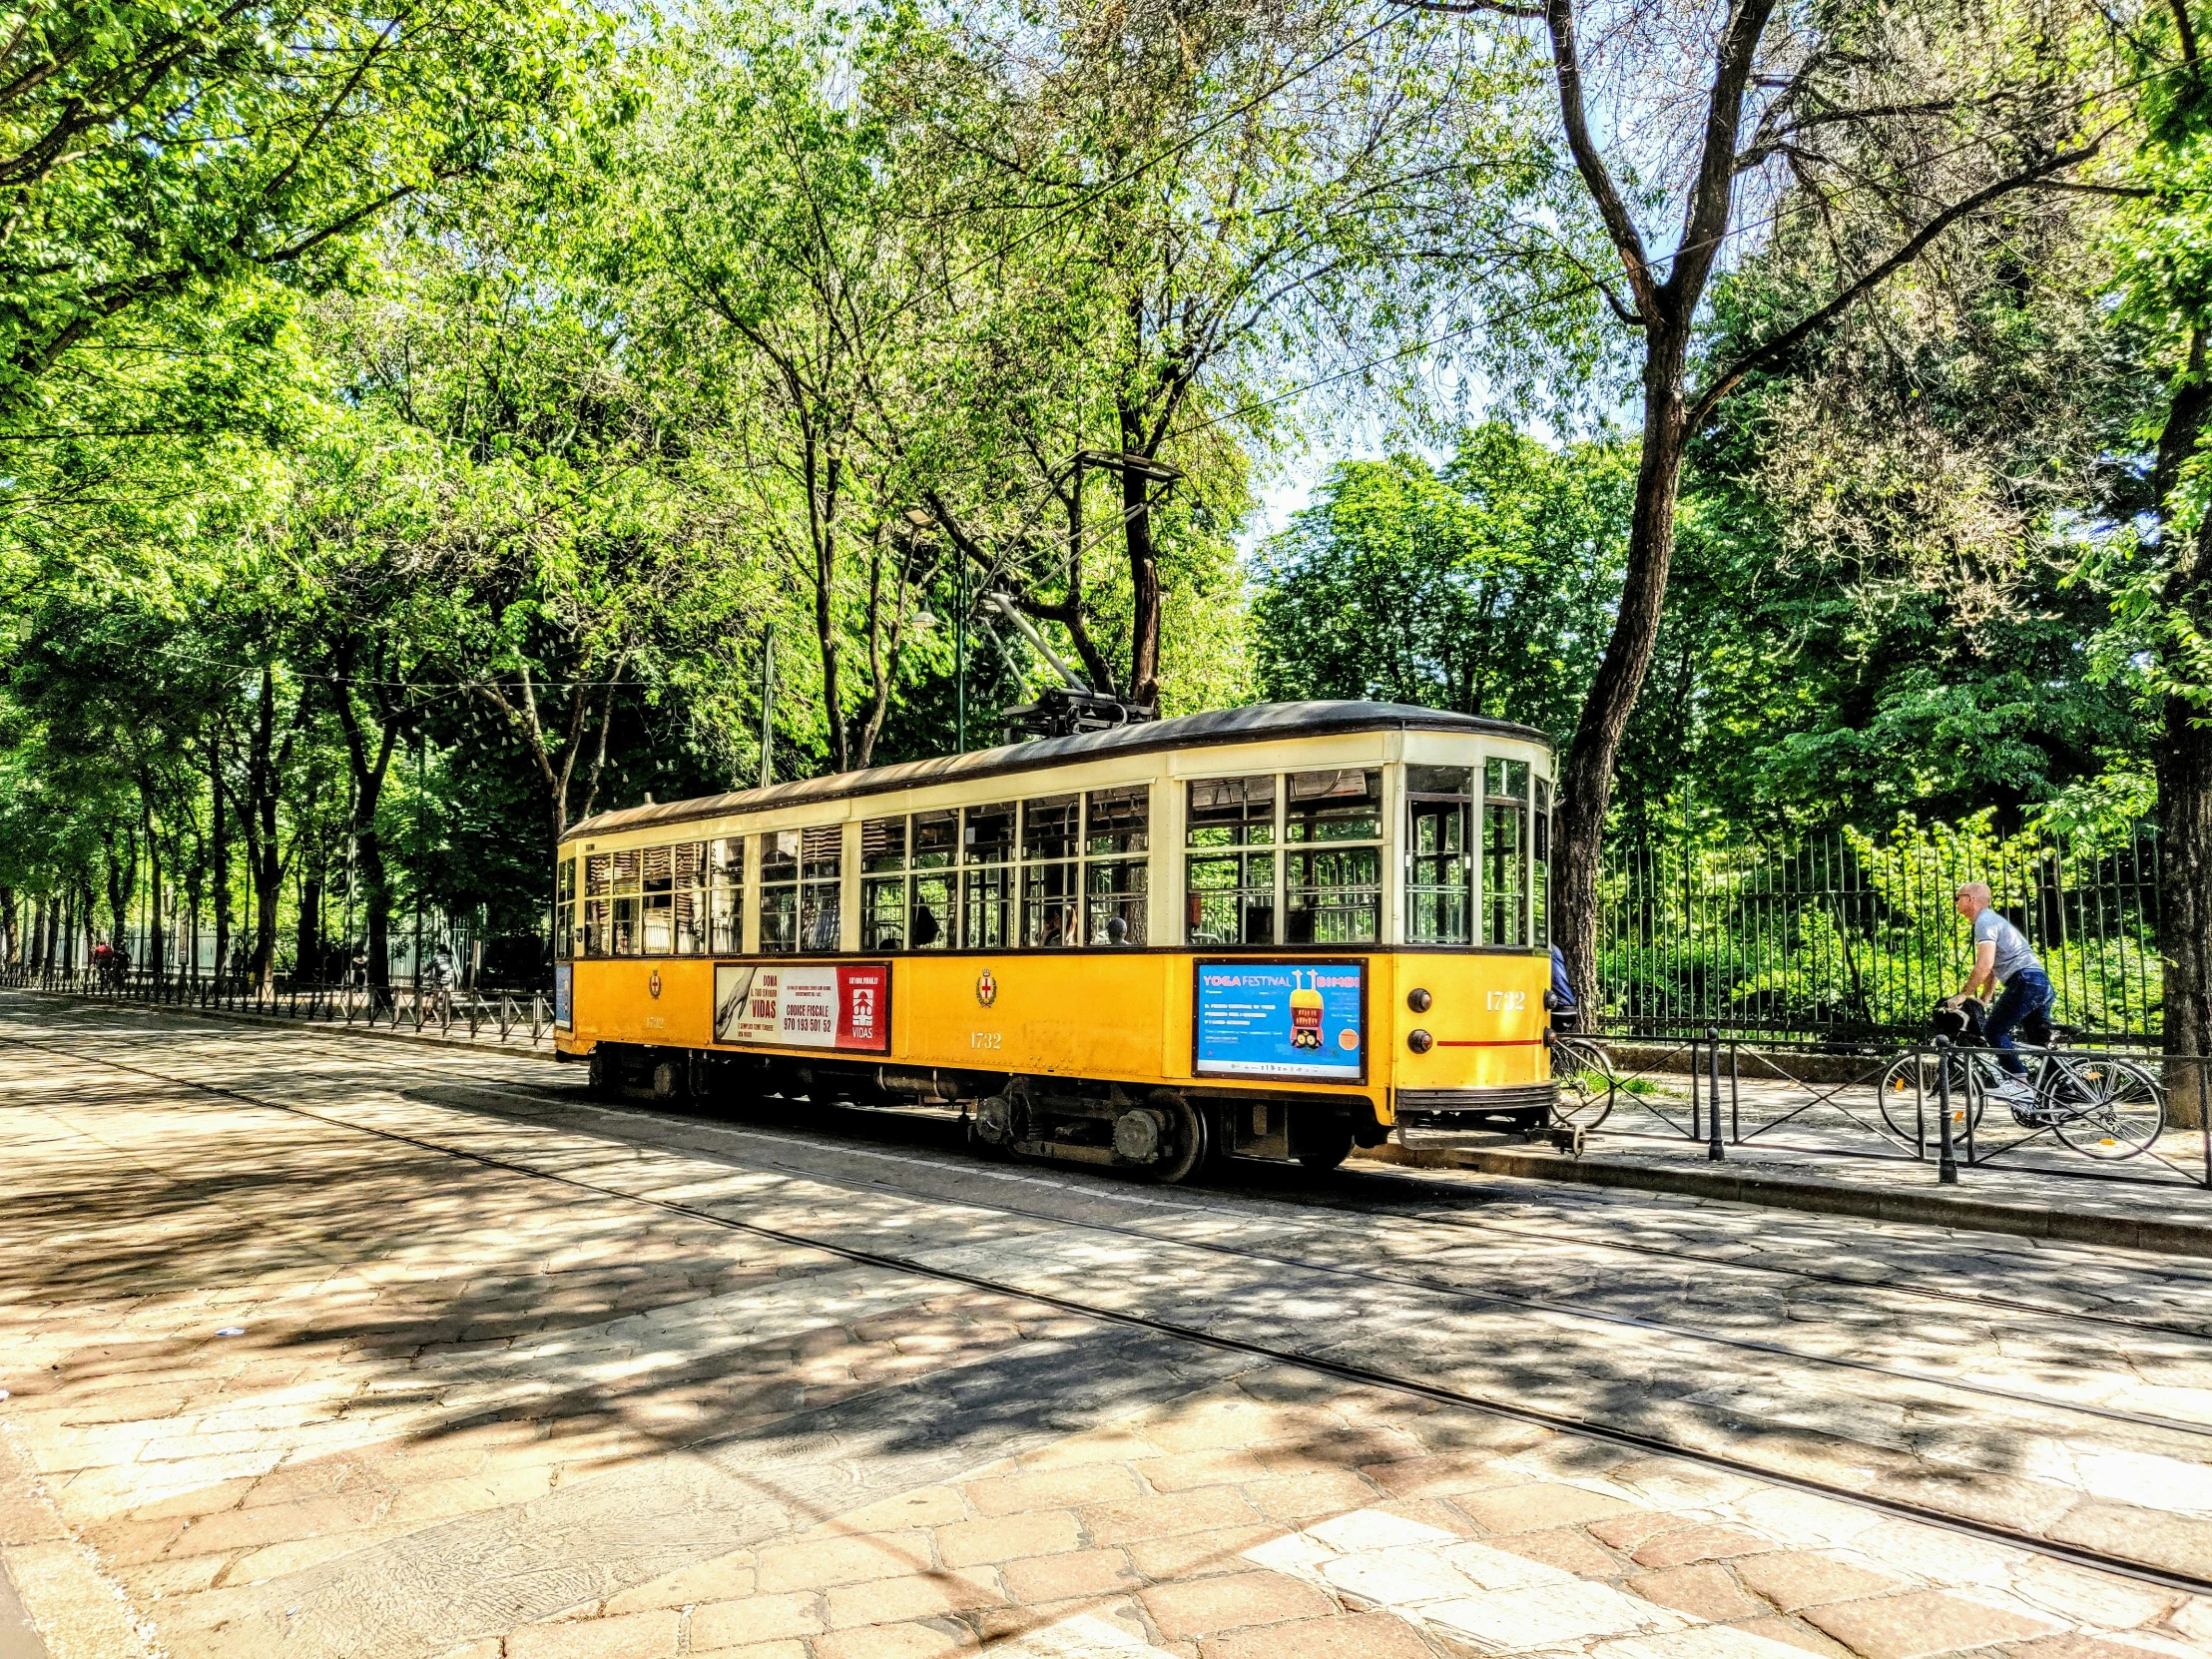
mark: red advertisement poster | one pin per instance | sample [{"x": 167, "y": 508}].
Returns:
[{"x": 863, "y": 1004}]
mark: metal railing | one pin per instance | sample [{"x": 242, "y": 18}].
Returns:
[
  {"x": 1885, "y": 1101},
  {"x": 446, "y": 1011},
  {"x": 1853, "y": 935}
]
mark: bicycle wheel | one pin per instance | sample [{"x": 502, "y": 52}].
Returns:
[
  {"x": 2123, "y": 1112},
  {"x": 1910, "y": 1099},
  {"x": 1583, "y": 1072}
]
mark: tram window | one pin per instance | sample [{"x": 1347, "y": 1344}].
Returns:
[
  {"x": 1051, "y": 879},
  {"x": 726, "y": 896},
  {"x": 1334, "y": 806},
  {"x": 1113, "y": 902},
  {"x": 1335, "y": 896},
  {"x": 1116, "y": 819},
  {"x": 780, "y": 892},
  {"x": 936, "y": 838},
  {"x": 986, "y": 883},
  {"x": 1231, "y": 899},
  {"x": 564, "y": 909},
  {"x": 598, "y": 905},
  {"x": 883, "y": 913},
  {"x": 883, "y": 884},
  {"x": 1332, "y": 896},
  {"x": 820, "y": 872},
  {"x": 933, "y": 849},
  {"x": 1440, "y": 862},
  {"x": 1116, "y": 832},
  {"x": 657, "y": 932},
  {"x": 689, "y": 895},
  {"x": 883, "y": 844},
  {"x": 1050, "y": 901},
  {"x": 1539, "y": 890},
  {"x": 1231, "y": 811},
  {"x": 629, "y": 865},
  {"x": 929, "y": 925},
  {"x": 1050, "y": 827},
  {"x": 1504, "y": 852}
]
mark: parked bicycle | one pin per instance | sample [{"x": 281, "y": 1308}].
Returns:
[
  {"x": 2101, "y": 1105},
  {"x": 1582, "y": 1069}
]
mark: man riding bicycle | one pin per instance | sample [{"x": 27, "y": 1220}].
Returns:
[{"x": 2001, "y": 953}]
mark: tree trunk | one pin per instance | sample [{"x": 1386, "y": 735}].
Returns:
[
  {"x": 155, "y": 954},
  {"x": 1586, "y": 786},
  {"x": 307, "y": 948},
  {"x": 219, "y": 843},
  {"x": 370, "y": 770},
  {"x": 122, "y": 878},
  {"x": 2185, "y": 901},
  {"x": 1144, "y": 568},
  {"x": 2184, "y": 761}
]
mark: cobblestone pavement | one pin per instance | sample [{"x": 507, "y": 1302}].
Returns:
[{"x": 368, "y": 1381}]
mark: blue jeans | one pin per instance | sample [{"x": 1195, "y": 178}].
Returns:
[{"x": 2027, "y": 992}]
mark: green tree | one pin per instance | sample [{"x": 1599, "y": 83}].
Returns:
[
  {"x": 150, "y": 150},
  {"x": 1479, "y": 587}
]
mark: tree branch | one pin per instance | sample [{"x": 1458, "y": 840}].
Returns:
[{"x": 1771, "y": 350}]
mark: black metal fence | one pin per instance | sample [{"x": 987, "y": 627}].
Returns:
[
  {"x": 1853, "y": 935},
  {"x": 2102, "y": 1114},
  {"x": 451, "y": 1012}
]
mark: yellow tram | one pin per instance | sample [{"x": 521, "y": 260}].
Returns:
[{"x": 1268, "y": 932}]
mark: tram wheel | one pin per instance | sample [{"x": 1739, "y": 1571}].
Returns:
[
  {"x": 667, "y": 1080},
  {"x": 1186, "y": 1138},
  {"x": 604, "y": 1077},
  {"x": 1322, "y": 1149}
]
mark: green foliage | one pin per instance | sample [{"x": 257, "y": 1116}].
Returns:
[
  {"x": 158, "y": 149},
  {"x": 1482, "y": 587}
]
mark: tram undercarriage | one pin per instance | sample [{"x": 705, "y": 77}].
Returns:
[{"x": 1161, "y": 1134}]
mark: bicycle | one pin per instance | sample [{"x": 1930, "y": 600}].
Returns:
[
  {"x": 1582, "y": 1069},
  {"x": 2100, "y": 1105}
]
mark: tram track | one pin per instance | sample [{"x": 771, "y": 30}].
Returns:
[
  {"x": 1425, "y": 1283},
  {"x": 1513, "y": 1409},
  {"x": 1488, "y": 1228}
]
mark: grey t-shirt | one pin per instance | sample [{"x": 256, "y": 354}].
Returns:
[{"x": 2013, "y": 955}]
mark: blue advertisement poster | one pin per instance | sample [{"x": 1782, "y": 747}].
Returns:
[
  {"x": 564, "y": 995},
  {"x": 1280, "y": 1020}
]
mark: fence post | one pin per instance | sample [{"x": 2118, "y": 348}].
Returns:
[
  {"x": 2204, "y": 1117},
  {"x": 1734, "y": 1098},
  {"x": 1946, "y": 1169},
  {"x": 1713, "y": 1148},
  {"x": 1697, "y": 1094}
]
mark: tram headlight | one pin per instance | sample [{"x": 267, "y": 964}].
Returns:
[{"x": 1419, "y": 1041}]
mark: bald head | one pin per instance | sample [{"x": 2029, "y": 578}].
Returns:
[{"x": 1971, "y": 899}]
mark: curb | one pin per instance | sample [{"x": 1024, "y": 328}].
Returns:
[{"x": 1833, "y": 1197}]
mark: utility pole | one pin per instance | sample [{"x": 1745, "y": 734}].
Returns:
[{"x": 768, "y": 706}]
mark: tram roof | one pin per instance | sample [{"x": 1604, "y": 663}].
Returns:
[{"x": 1256, "y": 722}]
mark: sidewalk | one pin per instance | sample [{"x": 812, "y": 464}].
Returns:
[{"x": 1819, "y": 1147}]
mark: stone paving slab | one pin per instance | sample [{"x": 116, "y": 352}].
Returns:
[{"x": 471, "y": 1413}]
